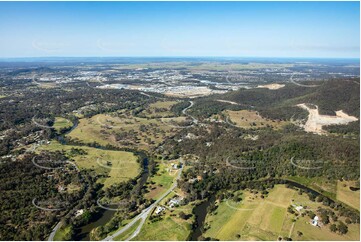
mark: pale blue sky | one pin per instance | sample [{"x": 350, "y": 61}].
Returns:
[{"x": 254, "y": 29}]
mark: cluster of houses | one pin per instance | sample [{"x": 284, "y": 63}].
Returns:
[
  {"x": 171, "y": 204},
  {"x": 6, "y": 157},
  {"x": 315, "y": 221},
  {"x": 32, "y": 138}
]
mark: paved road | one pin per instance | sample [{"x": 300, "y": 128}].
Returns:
[
  {"x": 144, "y": 214},
  {"x": 51, "y": 236},
  {"x": 301, "y": 85},
  {"x": 195, "y": 121}
]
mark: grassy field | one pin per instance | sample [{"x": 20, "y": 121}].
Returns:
[
  {"x": 123, "y": 130},
  {"x": 159, "y": 109},
  {"x": 170, "y": 227},
  {"x": 255, "y": 218},
  {"x": 250, "y": 119},
  {"x": 346, "y": 195},
  {"x": 161, "y": 181},
  {"x": 61, "y": 123},
  {"x": 115, "y": 166}
]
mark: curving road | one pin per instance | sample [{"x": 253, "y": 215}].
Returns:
[
  {"x": 144, "y": 214},
  {"x": 301, "y": 85},
  {"x": 195, "y": 121}
]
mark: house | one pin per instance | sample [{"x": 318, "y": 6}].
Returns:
[
  {"x": 192, "y": 180},
  {"x": 314, "y": 221},
  {"x": 79, "y": 212},
  {"x": 174, "y": 201},
  {"x": 159, "y": 209},
  {"x": 61, "y": 188},
  {"x": 298, "y": 208},
  {"x": 175, "y": 166}
]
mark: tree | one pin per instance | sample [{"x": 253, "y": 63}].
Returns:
[
  {"x": 324, "y": 218},
  {"x": 333, "y": 228},
  {"x": 311, "y": 214},
  {"x": 182, "y": 215},
  {"x": 342, "y": 228}
]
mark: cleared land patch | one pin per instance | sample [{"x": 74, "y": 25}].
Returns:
[
  {"x": 251, "y": 119},
  {"x": 315, "y": 121},
  {"x": 274, "y": 86},
  {"x": 159, "y": 109},
  {"x": 121, "y": 129}
]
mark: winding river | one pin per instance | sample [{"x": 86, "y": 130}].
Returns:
[{"x": 83, "y": 233}]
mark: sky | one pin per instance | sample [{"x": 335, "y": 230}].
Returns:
[{"x": 237, "y": 29}]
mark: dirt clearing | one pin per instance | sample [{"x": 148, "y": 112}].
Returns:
[
  {"x": 274, "y": 86},
  {"x": 315, "y": 121}
]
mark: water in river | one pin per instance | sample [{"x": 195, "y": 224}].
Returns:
[
  {"x": 83, "y": 233},
  {"x": 201, "y": 212}
]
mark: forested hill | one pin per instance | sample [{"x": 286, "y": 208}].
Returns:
[{"x": 330, "y": 96}]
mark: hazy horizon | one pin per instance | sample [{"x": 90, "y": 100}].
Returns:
[{"x": 180, "y": 29}]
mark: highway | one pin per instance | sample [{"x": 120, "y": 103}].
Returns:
[
  {"x": 144, "y": 214},
  {"x": 51, "y": 236}
]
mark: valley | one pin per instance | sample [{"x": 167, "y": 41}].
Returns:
[{"x": 200, "y": 150}]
